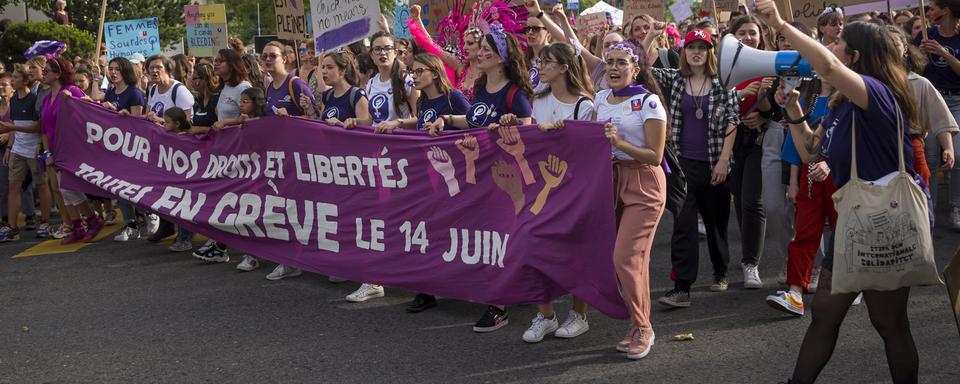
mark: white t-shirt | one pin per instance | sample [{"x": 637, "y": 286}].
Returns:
[
  {"x": 380, "y": 96},
  {"x": 549, "y": 109},
  {"x": 629, "y": 117},
  {"x": 25, "y": 143},
  {"x": 159, "y": 102},
  {"x": 228, "y": 105}
]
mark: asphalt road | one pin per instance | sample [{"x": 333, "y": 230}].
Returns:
[{"x": 136, "y": 313}]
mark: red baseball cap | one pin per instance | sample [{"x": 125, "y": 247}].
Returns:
[{"x": 698, "y": 34}]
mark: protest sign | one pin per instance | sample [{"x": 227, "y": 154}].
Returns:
[
  {"x": 727, "y": 5},
  {"x": 632, "y": 8},
  {"x": 124, "y": 38},
  {"x": 807, "y": 11},
  {"x": 592, "y": 24},
  {"x": 340, "y": 22},
  {"x": 467, "y": 215},
  {"x": 291, "y": 21},
  {"x": 400, "y": 15},
  {"x": 206, "y": 29},
  {"x": 681, "y": 10}
]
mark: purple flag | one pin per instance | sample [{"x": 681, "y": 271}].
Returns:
[{"x": 507, "y": 216}]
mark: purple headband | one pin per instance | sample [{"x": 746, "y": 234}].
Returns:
[
  {"x": 500, "y": 38},
  {"x": 622, "y": 46},
  {"x": 45, "y": 48}
]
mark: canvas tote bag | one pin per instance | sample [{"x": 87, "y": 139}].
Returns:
[{"x": 883, "y": 239}]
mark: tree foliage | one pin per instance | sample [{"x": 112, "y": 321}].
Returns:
[{"x": 18, "y": 37}]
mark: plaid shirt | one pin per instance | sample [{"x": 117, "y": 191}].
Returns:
[{"x": 723, "y": 110}]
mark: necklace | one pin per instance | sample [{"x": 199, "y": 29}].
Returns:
[{"x": 697, "y": 100}]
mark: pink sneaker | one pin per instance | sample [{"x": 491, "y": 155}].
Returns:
[
  {"x": 94, "y": 225},
  {"x": 624, "y": 344},
  {"x": 75, "y": 236},
  {"x": 640, "y": 345}
]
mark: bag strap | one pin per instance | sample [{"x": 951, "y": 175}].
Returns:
[
  {"x": 293, "y": 98},
  {"x": 903, "y": 163},
  {"x": 510, "y": 94},
  {"x": 853, "y": 143},
  {"x": 173, "y": 97},
  {"x": 576, "y": 108}
]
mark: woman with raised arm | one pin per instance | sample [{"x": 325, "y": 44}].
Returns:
[{"x": 872, "y": 89}]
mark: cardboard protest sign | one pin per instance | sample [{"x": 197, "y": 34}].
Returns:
[
  {"x": 206, "y": 29},
  {"x": 633, "y": 8},
  {"x": 592, "y": 24},
  {"x": 461, "y": 215},
  {"x": 291, "y": 21},
  {"x": 727, "y": 5},
  {"x": 124, "y": 38},
  {"x": 434, "y": 10},
  {"x": 340, "y": 22}
]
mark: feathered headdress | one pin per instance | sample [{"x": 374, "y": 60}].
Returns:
[{"x": 451, "y": 28}]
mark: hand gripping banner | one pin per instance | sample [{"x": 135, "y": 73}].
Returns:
[{"x": 505, "y": 216}]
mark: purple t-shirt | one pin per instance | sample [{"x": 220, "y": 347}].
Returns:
[
  {"x": 341, "y": 107},
  {"x": 280, "y": 97},
  {"x": 453, "y": 104},
  {"x": 488, "y": 107},
  {"x": 130, "y": 97},
  {"x": 876, "y": 135},
  {"x": 693, "y": 136},
  {"x": 49, "y": 111},
  {"x": 938, "y": 71}
]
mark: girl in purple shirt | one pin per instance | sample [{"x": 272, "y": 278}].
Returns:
[
  {"x": 58, "y": 74},
  {"x": 344, "y": 103}
]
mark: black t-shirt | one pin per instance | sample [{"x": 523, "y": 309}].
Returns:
[
  {"x": 23, "y": 108},
  {"x": 205, "y": 115}
]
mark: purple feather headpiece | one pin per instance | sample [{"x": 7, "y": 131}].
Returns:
[
  {"x": 499, "y": 37},
  {"x": 46, "y": 48},
  {"x": 625, "y": 47}
]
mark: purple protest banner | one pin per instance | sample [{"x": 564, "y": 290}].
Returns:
[{"x": 507, "y": 216}]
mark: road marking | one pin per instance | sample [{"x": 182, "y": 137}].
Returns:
[{"x": 51, "y": 247}]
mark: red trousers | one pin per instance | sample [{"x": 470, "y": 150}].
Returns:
[{"x": 814, "y": 206}]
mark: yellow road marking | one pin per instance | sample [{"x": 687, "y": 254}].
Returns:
[{"x": 53, "y": 246}]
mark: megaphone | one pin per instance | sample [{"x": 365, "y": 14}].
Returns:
[{"x": 739, "y": 63}]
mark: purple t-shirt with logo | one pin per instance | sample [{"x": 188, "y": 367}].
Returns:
[
  {"x": 876, "y": 136},
  {"x": 280, "y": 97},
  {"x": 453, "y": 104},
  {"x": 341, "y": 107},
  {"x": 130, "y": 97},
  {"x": 693, "y": 136},
  {"x": 488, "y": 107},
  {"x": 938, "y": 71}
]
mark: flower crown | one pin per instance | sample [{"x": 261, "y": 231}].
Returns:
[
  {"x": 622, "y": 46},
  {"x": 831, "y": 9},
  {"x": 500, "y": 38}
]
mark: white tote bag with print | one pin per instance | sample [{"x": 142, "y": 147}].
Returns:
[{"x": 883, "y": 239}]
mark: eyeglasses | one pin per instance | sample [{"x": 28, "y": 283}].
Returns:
[
  {"x": 419, "y": 71},
  {"x": 532, "y": 28},
  {"x": 617, "y": 63},
  {"x": 401, "y": 51},
  {"x": 383, "y": 50},
  {"x": 269, "y": 56},
  {"x": 303, "y": 50}
]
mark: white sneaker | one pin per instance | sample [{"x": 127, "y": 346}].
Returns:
[
  {"x": 573, "y": 326},
  {"x": 282, "y": 271},
  {"x": 859, "y": 299},
  {"x": 334, "y": 279},
  {"x": 127, "y": 234},
  {"x": 751, "y": 277},
  {"x": 181, "y": 246},
  {"x": 153, "y": 223},
  {"x": 365, "y": 292},
  {"x": 701, "y": 229},
  {"x": 248, "y": 263},
  {"x": 814, "y": 280},
  {"x": 782, "y": 277},
  {"x": 541, "y": 327},
  {"x": 206, "y": 245}
]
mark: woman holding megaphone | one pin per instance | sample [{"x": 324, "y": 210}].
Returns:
[{"x": 873, "y": 89}]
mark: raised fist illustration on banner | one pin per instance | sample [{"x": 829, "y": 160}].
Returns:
[
  {"x": 553, "y": 170},
  {"x": 442, "y": 163},
  {"x": 506, "y": 178},
  {"x": 512, "y": 143},
  {"x": 471, "y": 152}
]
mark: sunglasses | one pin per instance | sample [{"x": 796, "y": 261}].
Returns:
[{"x": 532, "y": 28}]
